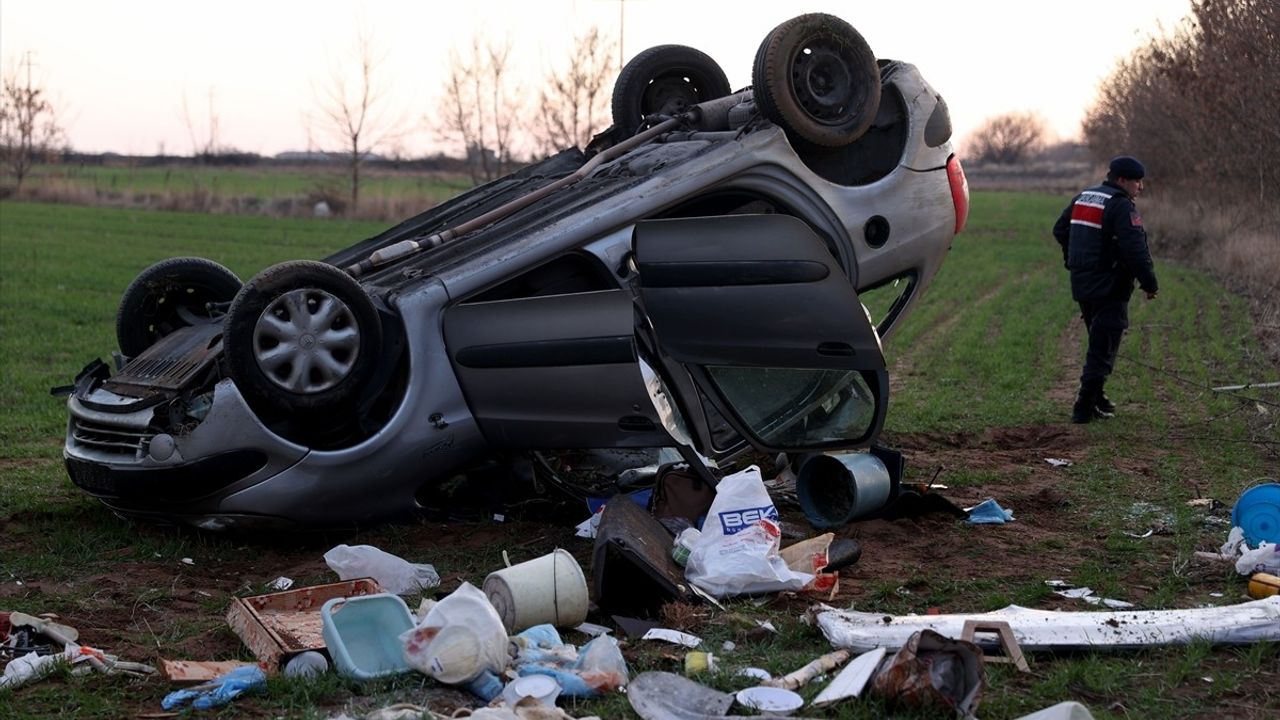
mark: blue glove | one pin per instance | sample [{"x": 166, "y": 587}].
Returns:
[
  {"x": 218, "y": 691},
  {"x": 989, "y": 512}
]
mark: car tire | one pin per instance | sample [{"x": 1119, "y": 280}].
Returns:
[
  {"x": 816, "y": 77},
  {"x": 169, "y": 295},
  {"x": 665, "y": 79},
  {"x": 302, "y": 335}
]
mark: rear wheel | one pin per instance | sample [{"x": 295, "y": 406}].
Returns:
[
  {"x": 169, "y": 295},
  {"x": 817, "y": 78},
  {"x": 302, "y": 335},
  {"x": 666, "y": 79}
]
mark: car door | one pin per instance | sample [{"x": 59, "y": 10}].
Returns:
[{"x": 757, "y": 326}]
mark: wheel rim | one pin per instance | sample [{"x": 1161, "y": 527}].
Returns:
[
  {"x": 306, "y": 341},
  {"x": 672, "y": 92},
  {"x": 822, "y": 79}
]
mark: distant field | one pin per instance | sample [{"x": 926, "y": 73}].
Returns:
[
  {"x": 982, "y": 375},
  {"x": 273, "y": 190}
]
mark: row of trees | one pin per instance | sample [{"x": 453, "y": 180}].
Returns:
[
  {"x": 483, "y": 110},
  {"x": 1199, "y": 106}
]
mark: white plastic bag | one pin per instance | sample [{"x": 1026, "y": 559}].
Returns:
[
  {"x": 737, "y": 553},
  {"x": 461, "y": 637},
  {"x": 396, "y": 575},
  {"x": 1264, "y": 558}
]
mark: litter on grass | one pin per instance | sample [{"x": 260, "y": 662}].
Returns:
[{"x": 1044, "y": 630}]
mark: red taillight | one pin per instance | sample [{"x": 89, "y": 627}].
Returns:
[{"x": 959, "y": 191}]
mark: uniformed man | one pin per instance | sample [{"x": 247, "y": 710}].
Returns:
[{"x": 1105, "y": 248}]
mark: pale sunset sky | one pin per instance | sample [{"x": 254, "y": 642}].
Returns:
[{"x": 119, "y": 70}]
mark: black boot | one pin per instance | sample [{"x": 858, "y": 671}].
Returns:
[
  {"x": 1104, "y": 406},
  {"x": 1085, "y": 408}
]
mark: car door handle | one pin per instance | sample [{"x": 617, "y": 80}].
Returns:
[{"x": 836, "y": 349}]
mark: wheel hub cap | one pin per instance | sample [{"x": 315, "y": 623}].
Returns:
[{"x": 306, "y": 341}]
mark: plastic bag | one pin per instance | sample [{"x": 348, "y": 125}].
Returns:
[
  {"x": 737, "y": 553},
  {"x": 218, "y": 691},
  {"x": 396, "y": 575},
  {"x": 1264, "y": 558},
  {"x": 597, "y": 668},
  {"x": 475, "y": 641}
]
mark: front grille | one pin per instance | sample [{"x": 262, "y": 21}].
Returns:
[{"x": 124, "y": 442}]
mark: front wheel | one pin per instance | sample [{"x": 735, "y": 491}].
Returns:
[
  {"x": 169, "y": 295},
  {"x": 302, "y": 335}
]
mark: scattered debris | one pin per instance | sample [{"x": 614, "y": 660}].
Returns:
[
  {"x": 931, "y": 670},
  {"x": 593, "y": 629},
  {"x": 769, "y": 700},
  {"x": 1086, "y": 594},
  {"x": 673, "y": 636},
  {"x": 813, "y": 556},
  {"x": 461, "y": 637},
  {"x": 547, "y": 589},
  {"x": 667, "y": 696},
  {"x": 277, "y": 626},
  {"x": 1142, "y": 536},
  {"x": 306, "y": 665},
  {"x": 181, "y": 671},
  {"x": 737, "y": 553},
  {"x": 188, "y": 561},
  {"x": 852, "y": 679},
  {"x": 632, "y": 572},
  {"x": 363, "y": 635},
  {"x": 280, "y": 583},
  {"x": 1001, "y": 630},
  {"x": 1043, "y": 630},
  {"x": 699, "y": 662},
  {"x": 1263, "y": 585},
  {"x": 1257, "y": 513},
  {"x": 542, "y": 689},
  {"x": 804, "y": 675},
  {"x": 394, "y": 574},
  {"x": 1058, "y": 462},
  {"x": 1069, "y": 710},
  {"x": 1246, "y": 386},
  {"x": 218, "y": 691},
  {"x": 754, "y": 672},
  {"x": 989, "y": 512}
]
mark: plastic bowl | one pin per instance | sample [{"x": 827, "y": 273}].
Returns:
[
  {"x": 1257, "y": 512},
  {"x": 770, "y": 701}
]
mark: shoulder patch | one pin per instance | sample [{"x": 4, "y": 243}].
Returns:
[{"x": 1135, "y": 219}]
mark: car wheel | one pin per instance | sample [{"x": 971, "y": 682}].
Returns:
[
  {"x": 817, "y": 78},
  {"x": 666, "y": 79},
  {"x": 302, "y": 335},
  {"x": 169, "y": 295}
]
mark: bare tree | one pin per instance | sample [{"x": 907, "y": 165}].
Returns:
[
  {"x": 1009, "y": 138},
  {"x": 481, "y": 107},
  {"x": 355, "y": 113},
  {"x": 29, "y": 130},
  {"x": 574, "y": 102},
  {"x": 204, "y": 145}
]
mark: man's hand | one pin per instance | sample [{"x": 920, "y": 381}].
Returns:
[{"x": 1151, "y": 295}]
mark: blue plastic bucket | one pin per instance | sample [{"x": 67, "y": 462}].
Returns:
[
  {"x": 363, "y": 635},
  {"x": 1257, "y": 512}
]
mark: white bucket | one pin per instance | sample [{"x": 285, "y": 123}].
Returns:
[{"x": 548, "y": 589}]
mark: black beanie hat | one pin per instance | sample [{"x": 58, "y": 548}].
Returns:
[{"x": 1127, "y": 167}]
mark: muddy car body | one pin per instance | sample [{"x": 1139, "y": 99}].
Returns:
[{"x": 692, "y": 279}]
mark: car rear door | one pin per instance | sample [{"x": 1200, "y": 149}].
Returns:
[{"x": 756, "y": 325}]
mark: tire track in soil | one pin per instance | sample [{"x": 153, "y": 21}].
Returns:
[{"x": 904, "y": 365}]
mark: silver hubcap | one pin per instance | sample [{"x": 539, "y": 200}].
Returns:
[{"x": 306, "y": 341}]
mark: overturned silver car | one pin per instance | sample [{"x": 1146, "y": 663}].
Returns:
[{"x": 691, "y": 279}]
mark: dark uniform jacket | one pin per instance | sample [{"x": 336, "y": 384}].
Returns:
[{"x": 1104, "y": 245}]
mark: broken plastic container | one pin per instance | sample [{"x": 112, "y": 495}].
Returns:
[{"x": 363, "y": 635}]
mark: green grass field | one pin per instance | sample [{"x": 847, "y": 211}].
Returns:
[
  {"x": 261, "y": 189},
  {"x": 983, "y": 372}
]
